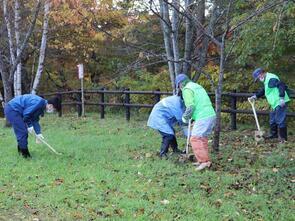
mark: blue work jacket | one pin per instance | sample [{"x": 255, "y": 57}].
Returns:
[
  {"x": 166, "y": 114},
  {"x": 30, "y": 107}
]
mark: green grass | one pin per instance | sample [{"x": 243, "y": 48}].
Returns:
[{"x": 110, "y": 170}]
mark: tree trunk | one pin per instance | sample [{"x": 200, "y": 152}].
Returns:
[
  {"x": 25, "y": 41},
  {"x": 174, "y": 36},
  {"x": 218, "y": 96},
  {"x": 203, "y": 40},
  {"x": 165, "y": 24},
  {"x": 42, "y": 47},
  {"x": 18, "y": 72},
  {"x": 188, "y": 46},
  {"x": 9, "y": 33}
]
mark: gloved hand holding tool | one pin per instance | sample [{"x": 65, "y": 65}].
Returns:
[
  {"x": 40, "y": 139},
  {"x": 31, "y": 130}
]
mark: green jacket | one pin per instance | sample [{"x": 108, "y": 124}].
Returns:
[
  {"x": 272, "y": 94},
  {"x": 195, "y": 95}
]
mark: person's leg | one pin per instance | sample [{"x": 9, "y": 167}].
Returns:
[
  {"x": 202, "y": 129},
  {"x": 20, "y": 130},
  {"x": 174, "y": 145},
  {"x": 165, "y": 144},
  {"x": 281, "y": 114},
  {"x": 273, "y": 126}
]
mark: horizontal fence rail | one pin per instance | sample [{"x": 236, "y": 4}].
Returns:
[{"x": 127, "y": 104}]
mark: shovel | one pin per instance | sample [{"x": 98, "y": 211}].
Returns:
[
  {"x": 259, "y": 134},
  {"x": 188, "y": 137}
]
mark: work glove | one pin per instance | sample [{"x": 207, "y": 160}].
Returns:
[
  {"x": 39, "y": 137},
  {"x": 252, "y": 98},
  {"x": 31, "y": 130},
  {"x": 184, "y": 120},
  {"x": 282, "y": 102}
]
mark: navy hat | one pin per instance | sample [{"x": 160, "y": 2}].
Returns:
[
  {"x": 256, "y": 73},
  {"x": 180, "y": 78}
]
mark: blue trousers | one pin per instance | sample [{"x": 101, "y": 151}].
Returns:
[
  {"x": 278, "y": 116},
  {"x": 167, "y": 140},
  {"x": 19, "y": 126}
]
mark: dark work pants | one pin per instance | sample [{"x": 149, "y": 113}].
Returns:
[
  {"x": 19, "y": 126},
  {"x": 278, "y": 116},
  {"x": 167, "y": 140}
]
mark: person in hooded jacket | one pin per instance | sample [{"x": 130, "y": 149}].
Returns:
[
  {"x": 23, "y": 113},
  {"x": 165, "y": 114}
]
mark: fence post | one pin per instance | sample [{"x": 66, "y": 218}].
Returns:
[
  {"x": 127, "y": 101},
  {"x": 233, "y": 115},
  {"x": 79, "y": 105},
  {"x": 59, "y": 96},
  {"x": 102, "y": 105},
  {"x": 157, "y": 96}
]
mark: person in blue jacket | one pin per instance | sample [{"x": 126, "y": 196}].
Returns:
[
  {"x": 165, "y": 114},
  {"x": 23, "y": 113}
]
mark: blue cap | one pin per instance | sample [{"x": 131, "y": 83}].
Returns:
[
  {"x": 180, "y": 78},
  {"x": 256, "y": 73}
]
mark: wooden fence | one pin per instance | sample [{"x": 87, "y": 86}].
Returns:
[{"x": 127, "y": 103}]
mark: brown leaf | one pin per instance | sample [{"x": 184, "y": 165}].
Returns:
[
  {"x": 58, "y": 181},
  {"x": 218, "y": 203},
  {"x": 275, "y": 170}
]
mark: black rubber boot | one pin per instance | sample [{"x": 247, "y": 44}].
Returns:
[
  {"x": 18, "y": 149},
  {"x": 164, "y": 148},
  {"x": 174, "y": 146},
  {"x": 283, "y": 134},
  {"x": 273, "y": 132},
  {"x": 25, "y": 153}
]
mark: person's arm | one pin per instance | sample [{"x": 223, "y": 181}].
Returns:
[
  {"x": 37, "y": 127},
  {"x": 188, "y": 97},
  {"x": 260, "y": 93},
  {"x": 273, "y": 82}
]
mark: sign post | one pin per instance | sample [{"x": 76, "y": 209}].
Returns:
[{"x": 81, "y": 77}]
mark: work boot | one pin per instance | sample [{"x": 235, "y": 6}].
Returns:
[
  {"x": 283, "y": 134},
  {"x": 273, "y": 132},
  {"x": 18, "y": 149},
  {"x": 176, "y": 150},
  {"x": 203, "y": 166},
  {"x": 174, "y": 146},
  {"x": 25, "y": 153},
  {"x": 164, "y": 147},
  {"x": 164, "y": 150}
]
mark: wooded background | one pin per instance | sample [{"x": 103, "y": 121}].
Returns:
[{"x": 144, "y": 44}]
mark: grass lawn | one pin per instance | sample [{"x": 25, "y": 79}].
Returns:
[{"x": 110, "y": 170}]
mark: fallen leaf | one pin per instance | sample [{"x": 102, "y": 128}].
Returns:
[
  {"x": 275, "y": 170},
  {"x": 165, "y": 202},
  {"x": 218, "y": 203},
  {"x": 58, "y": 181},
  {"x": 148, "y": 155}
]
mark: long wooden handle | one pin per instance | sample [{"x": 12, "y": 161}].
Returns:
[
  {"x": 255, "y": 114},
  {"x": 50, "y": 147},
  {"x": 188, "y": 136}
]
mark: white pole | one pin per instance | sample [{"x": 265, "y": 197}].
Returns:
[
  {"x": 81, "y": 77},
  {"x": 82, "y": 97}
]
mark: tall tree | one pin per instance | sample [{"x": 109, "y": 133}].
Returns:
[
  {"x": 42, "y": 47},
  {"x": 16, "y": 51}
]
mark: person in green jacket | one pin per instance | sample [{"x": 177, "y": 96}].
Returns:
[
  {"x": 277, "y": 97},
  {"x": 199, "y": 109}
]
